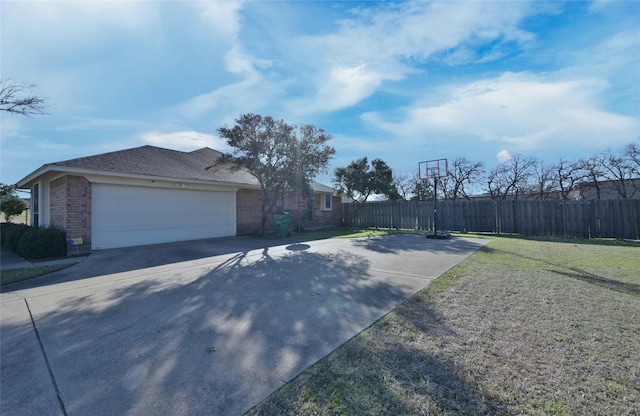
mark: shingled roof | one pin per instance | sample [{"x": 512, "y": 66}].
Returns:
[{"x": 158, "y": 162}]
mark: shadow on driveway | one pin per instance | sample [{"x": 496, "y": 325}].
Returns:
[
  {"x": 394, "y": 244},
  {"x": 214, "y": 335},
  {"x": 105, "y": 262}
]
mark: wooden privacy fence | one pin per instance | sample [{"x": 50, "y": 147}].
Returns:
[{"x": 616, "y": 218}]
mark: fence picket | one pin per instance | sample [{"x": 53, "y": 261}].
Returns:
[{"x": 583, "y": 218}]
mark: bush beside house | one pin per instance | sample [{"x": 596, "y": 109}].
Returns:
[{"x": 34, "y": 243}]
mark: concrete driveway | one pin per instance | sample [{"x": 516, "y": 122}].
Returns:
[{"x": 207, "y": 327}]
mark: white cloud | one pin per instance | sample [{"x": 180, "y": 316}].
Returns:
[
  {"x": 223, "y": 16},
  {"x": 64, "y": 46},
  {"x": 228, "y": 101},
  {"x": 614, "y": 57},
  {"x": 343, "y": 87},
  {"x": 387, "y": 42},
  {"x": 598, "y": 5},
  {"x": 70, "y": 26},
  {"x": 184, "y": 140},
  {"x": 336, "y": 70},
  {"x": 525, "y": 110},
  {"x": 504, "y": 156},
  {"x": 417, "y": 30},
  {"x": 253, "y": 91}
]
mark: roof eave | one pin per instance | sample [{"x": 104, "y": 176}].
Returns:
[
  {"x": 30, "y": 179},
  {"x": 27, "y": 181}
]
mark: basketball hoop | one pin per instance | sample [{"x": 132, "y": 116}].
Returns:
[{"x": 434, "y": 169}]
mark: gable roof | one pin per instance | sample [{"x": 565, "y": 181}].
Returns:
[
  {"x": 151, "y": 161},
  {"x": 156, "y": 162},
  {"x": 320, "y": 188}
]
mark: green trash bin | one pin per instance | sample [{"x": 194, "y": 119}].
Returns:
[{"x": 281, "y": 221}]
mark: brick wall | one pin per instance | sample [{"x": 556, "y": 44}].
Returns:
[
  {"x": 609, "y": 190},
  {"x": 326, "y": 218},
  {"x": 248, "y": 212},
  {"x": 58, "y": 206},
  {"x": 70, "y": 207}
]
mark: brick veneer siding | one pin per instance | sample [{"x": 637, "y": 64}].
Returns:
[
  {"x": 326, "y": 218},
  {"x": 248, "y": 212},
  {"x": 70, "y": 206}
]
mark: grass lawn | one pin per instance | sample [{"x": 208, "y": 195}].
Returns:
[
  {"x": 348, "y": 233},
  {"x": 18, "y": 275},
  {"x": 523, "y": 326}
]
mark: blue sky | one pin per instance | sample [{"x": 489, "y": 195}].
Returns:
[{"x": 405, "y": 81}]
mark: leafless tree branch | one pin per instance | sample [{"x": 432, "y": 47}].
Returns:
[{"x": 20, "y": 98}]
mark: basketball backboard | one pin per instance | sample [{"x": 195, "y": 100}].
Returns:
[{"x": 430, "y": 169}]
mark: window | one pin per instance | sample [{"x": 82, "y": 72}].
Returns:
[
  {"x": 326, "y": 202},
  {"x": 35, "y": 202}
]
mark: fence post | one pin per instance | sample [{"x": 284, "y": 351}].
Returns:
[{"x": 565, "y": 218}]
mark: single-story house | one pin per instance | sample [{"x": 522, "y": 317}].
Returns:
[{"x": 149, "y": 195}]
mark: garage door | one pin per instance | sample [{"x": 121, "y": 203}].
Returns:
[{"x": 124, "y": 216}]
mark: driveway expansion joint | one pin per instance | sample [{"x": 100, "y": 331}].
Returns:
[{"x": 46, "y": 360}]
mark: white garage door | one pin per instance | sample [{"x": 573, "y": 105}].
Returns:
[{"x": 124, "y": 216}]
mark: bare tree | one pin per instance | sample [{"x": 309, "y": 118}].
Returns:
[
  {"x": 510, "y": 178},
  {"x": 593, "y": 170},
  {"x": 617, "y": 170},
  {"x": 422, "y": 189},
  {"x": 568, "y": 175},
  {"x": 20, "y": 98},
  {"x": 463, "y": 172},
  {"x": 543, "y": 180},
  {"x": 632, "y": 154},
  {"x": 405, "y": 186}
]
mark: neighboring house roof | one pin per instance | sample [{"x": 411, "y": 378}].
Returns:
[
  {"x": 320, "y": 188},
  {"x": 151, "y": 161}
]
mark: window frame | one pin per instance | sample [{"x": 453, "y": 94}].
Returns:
[
  {"x": 323, "y": 202},
  {"x": 35, "y": 205}
]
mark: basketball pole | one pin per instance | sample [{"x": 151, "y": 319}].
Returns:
[
  {"x": 435, "y": 206},
  {"x": 433, "y": 169}
]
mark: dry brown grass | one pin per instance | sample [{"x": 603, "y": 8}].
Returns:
[
  {"x": 18, "y": 219},
  {"x": 521, "y": 327}
]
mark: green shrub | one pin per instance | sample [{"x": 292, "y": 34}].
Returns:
[
  {"x": 10, "y": 235},
  {"x": 12, "y": 207},
  {"x": 42, "y": 243}
]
